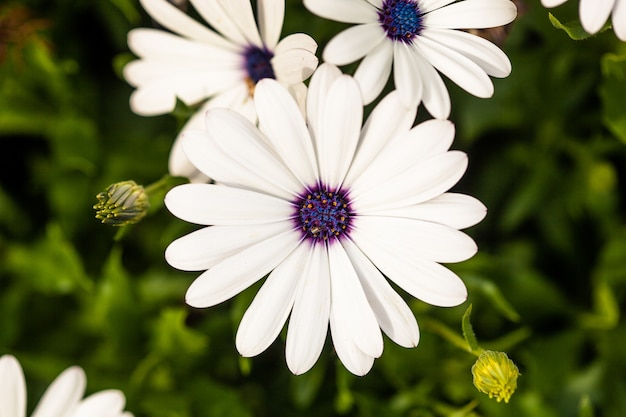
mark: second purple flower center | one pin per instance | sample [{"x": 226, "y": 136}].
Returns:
[{"x": 401, "y": 19}]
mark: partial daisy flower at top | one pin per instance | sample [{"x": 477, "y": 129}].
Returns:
[
  {"x": 418, "y": 36},
  {"x": 593, "y": 14},
  {"x": 328, "y": 209},
  {"x": 63, "y": 398},
  {"x": 196, "y": 63}
]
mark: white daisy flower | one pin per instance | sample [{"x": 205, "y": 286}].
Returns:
[
  {"x": 593, "y": 14},
  {"x": 418, "y": 36},
  {"x": 63, "y": 398},
  {"x": 196, "y": 63},
  {"x": 327, "y": 210}
]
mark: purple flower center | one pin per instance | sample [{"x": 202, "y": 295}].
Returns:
[
  {"x": 323, "y": 214},
  {"x": 401, "y": 19},
  {"x": 258, "y": 63}
]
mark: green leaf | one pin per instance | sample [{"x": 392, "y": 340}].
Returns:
[
  {"x": 172, "y": 338},
  {"x": 585, "y": 408},
  {"x": 468, "y": 331},
  {"x": 612, "y": 92},
  {"x": 573, "y": 28}
]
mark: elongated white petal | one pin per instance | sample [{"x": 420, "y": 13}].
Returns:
[
  {"x": 213, "y": 12},
  {"x": 271, "y": 14},
  {"x": 408, "y": 83},
  {"x": 340, "y": 132},
  {"x": 243, "y": 152},
  {"x": 296, "y": 41},
  {"x": 423, "y": 279},
  {"x": 404, "y": 152},
  {"x": 236, "y": 273},
  {"x": 619, "y": 19},
  {"x": 294, "y": 66},
  {"x": 418, "y": 238},
  {"x": 109, "y": 403},
  {"x": 347, "y": 11},
  {"x": 351, "y": 356},
  {"x": 281, "y": 121},
  {"x": 320, "y": 83},
  {"x": 458, "y": 211},
  {"x": 460, "y": 69},
  {"x": 266, "y": 316},
  {"x": 240, "y": 11},
  {"x": 353, "y": 43},
  {"x": 63, "y": 395},
  {"x": 211, "y": 204},
  {"x": 349, "y": 305},
  {"x": 308, "y": 323},
  {"x": 393, "y": 314},
  {"x": 430, "y": 5},
  {"x": 170, "y": 17},
  {"x": 208, "y": 246},
  {"x": 388, "y": 120},
  {"x": 422, "y": 182},
  {"x": 594, "y": 14},
  {"x": 154, "y": 99},
  {"x": 178, "y": 163},
  {"x": 484, "y": 53},
  {"x": 373, "y": 72},
  {"x": 552, "y": 3},
  {"x": 435, "y": 97},
  {"x": 12, "y": 388},
  {"x": 472, "y": 14}
]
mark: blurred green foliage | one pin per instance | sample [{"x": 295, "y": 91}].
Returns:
[{"x": 547, "y": 157}]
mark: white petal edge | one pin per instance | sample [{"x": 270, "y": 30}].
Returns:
[
  {"x": 108, "y": 403},
  {"x": 271, "y": 14},
  {"x": 12, "y": 388},
  {"x": 347, "y": 11},
  {"x": 353, "y": 43},
  {"x": 63, "y": 395},
  {"x": 373, "y": 72}
]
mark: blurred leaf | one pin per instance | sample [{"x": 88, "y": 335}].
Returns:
[
  {"x": 606, "y": 310},
  {"x": 573, "y": 28},
  {"x": 468, "y": 331},
  {"x": 612, "y": 92},
  {"x": 585, "y": 408},
  {"x": 171, "y": 338}
]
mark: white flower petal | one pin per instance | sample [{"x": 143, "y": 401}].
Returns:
[
  {"x": 213, "y": 12},
  {"x": 170, "y": 17},
  {"x": 271, "y": 14},
  {"x": 408, "y": 82},
  {"x": 281, "y": 121},
  {"x": 552, "y": 3},
  {"x": 484, "y": 53},
  {"x": 353, "y": 43},
  {"x": 153, "y": 99},
  {"x": 296, "y": 41},
  {"x": 12, "y": 388},
  {"x": 204, "y": 248},
  {"x": 393, "y": 314},
  {"x": 238, "y": 99},
  {"x": 417, "y": 238},
  {"x": 240, "y": 11},
  {"x": 320, "y": 83},
  {"x": 347, "y": 11},
  {"x": 348, "y": 352},
  {"x": 63, "y": 395},
  {"x": 460, "y": 69},
  {"x": 435, "y": 97},
  {"x": 422, "y": 182},
  {"x": 211, "y": 204},
  {"x": 339, "y": 136},
  {"x": 423, "y": 279},
  {"x": 373, "y": 72},
  {"x": 294, "y": 66},
  {"x": 308, "y": 323},
  {"x": 458, "y": 211},
  {"x": 403, "y": 153},
  {"x": 472, "y": 14},
  {"x": 109, "y": 403},
  {"x": 178, "y": 163},
  {"x": 430, "y": 5},
  {"x": 594, "y": 14},
  {"x": 387, "y": 120},
  {"x": 619, "y": 19},
  {"x": 236, "y": 273},
  {"x": 266, "y": 316},
  {"x": 349, "y": 306}
]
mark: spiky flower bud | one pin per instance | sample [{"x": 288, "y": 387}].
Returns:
[
  {"x": 122, "y": 203},
  {"x": 495, "y": 375}
]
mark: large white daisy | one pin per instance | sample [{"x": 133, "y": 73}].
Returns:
[
  {"x": 594, "y": 14},
  {"x": 63, "y": 398},
  {"x": 196, "y": 63},
  {"x": 327, "y": 210},
  {"x": 418, "y": 36}
]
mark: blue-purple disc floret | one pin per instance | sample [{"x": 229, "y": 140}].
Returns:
[
  {"x": 258, "y": 63},
  {"x": 401, "y": 19},
  {"x": 323, "y": 214}
]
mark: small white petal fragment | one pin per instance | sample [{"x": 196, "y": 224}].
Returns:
[
  {"x": 12, "y": 388},
  {"x": 63, "y": 395}
]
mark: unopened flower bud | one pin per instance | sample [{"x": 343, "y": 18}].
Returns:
[
  {"x": 495, "y": 375},
  {"x": 122, "y": 203}
]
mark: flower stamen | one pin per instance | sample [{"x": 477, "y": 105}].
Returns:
[{"x": 401, "y": 19}]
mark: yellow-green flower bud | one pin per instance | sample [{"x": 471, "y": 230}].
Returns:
[
  {"x": 495, "y": 375},
  {"x": 122, "y": 203}
]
